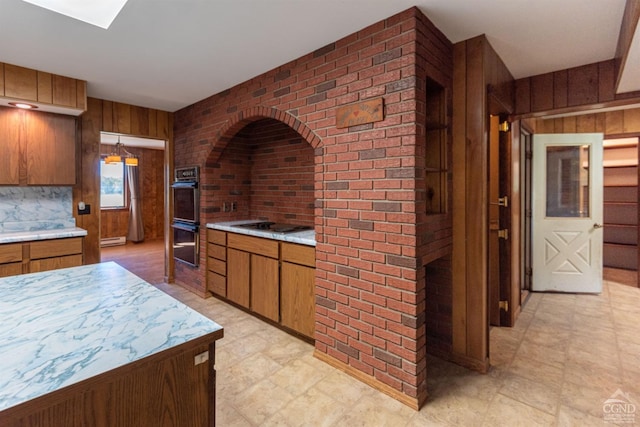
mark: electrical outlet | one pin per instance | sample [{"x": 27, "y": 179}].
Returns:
[
  {"x": 84, "y": 209},
  {"x": 201, "y": 358}
]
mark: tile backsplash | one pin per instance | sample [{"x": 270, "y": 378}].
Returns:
[{"x": 35, "y": 208}]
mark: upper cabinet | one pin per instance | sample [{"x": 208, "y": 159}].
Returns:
[
  {"x": 37, "y": 149},
  {"x": 49, "y": 92}
]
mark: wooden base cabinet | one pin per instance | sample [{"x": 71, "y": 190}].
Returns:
[
  {"x": 217, "y": 262},
  {"x": 297, "y": 305},
  {"x": 265, "y": 295},
  {"x": 297, "y": 287},
  {"x": 40, "y": 255},
  {"x": 238, "y": 277},
  {"x": 268, "y": 277}
]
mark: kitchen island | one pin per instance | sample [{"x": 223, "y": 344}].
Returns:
[{"x": 96, "y": 345}]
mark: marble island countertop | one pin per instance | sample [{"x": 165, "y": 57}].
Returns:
[
  {"x": 64, "y": 326},
  {"x": 26, "y": 236},
  {"x": 306, "y": 237}
]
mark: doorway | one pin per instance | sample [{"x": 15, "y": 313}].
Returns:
[
  {"x": 115, "y": 203},
  {"x": 500, "y": 193}
]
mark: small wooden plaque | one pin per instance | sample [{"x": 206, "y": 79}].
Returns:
[{"x": 361, "y": 113}]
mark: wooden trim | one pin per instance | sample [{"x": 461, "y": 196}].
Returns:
[
  {"x": 412, "y": 402},
  {"x": 474, "y": 364},
  {"x": 459, "y": 285}
]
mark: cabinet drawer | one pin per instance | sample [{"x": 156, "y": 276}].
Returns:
[
  {"x": 216, "y": 251},
  {"x": 216, "y": 236},
  {"x": 299, "y": 254},
  {"x": 217, "y": 283},
  {"x": 56, "y": 247},
  {"x": 217, "y": 266},
  {"x": 10, "y": 253},
  {"x": 254, "y": 245},
  {"x": 11, "y": 269},
  {"x": 38, "y": 265}
]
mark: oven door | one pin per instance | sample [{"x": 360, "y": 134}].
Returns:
[
  {"x": 186, "y": 243},
  {"x": 186, "y": 203}
]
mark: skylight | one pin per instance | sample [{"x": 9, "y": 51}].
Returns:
[{"x": 100, "y": 13}]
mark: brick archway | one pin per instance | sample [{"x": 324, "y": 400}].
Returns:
[{"x": 243, "y": 118}]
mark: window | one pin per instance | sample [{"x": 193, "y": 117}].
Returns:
[{"x": 112, "y": 185}]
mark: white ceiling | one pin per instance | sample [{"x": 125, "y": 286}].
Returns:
[{"x": 168, "y": 54}]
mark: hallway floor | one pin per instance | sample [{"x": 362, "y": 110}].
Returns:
[{"x": 566, "y": 355}]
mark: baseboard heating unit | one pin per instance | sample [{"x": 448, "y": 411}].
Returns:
[{"x": 113, "y": 241}]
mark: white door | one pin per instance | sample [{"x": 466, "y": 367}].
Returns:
[{"x": 567, "y": 213}]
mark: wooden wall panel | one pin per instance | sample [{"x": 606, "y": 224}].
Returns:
[
  {"x": 542, "y": 92},
  {"x": 574, "y": 89},
  {"x": 612, "y": 123},
  {"x": 583, "y": 85},
  {"x": 476, "y": 67},
  {"x": 560, "y": 88},
  {"x": 1, "y": 79}
]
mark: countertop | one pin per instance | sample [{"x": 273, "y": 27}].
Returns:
[
  {"x": 56, "y": 233},
  {"x": 63, "y": 326},
  {"x": 306, "y": 237}
]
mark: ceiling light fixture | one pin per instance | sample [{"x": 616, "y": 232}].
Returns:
[
  {"x": 130, "y": 159},
  {"x": 23, "y": 105}
]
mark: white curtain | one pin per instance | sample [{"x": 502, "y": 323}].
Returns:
[{"x": 136, "y": 227}]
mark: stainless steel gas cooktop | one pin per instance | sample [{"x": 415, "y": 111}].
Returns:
[{"x": 275, "y": 227}]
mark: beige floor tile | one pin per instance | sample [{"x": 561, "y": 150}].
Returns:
[
  {"x": 296, "y": 377},
  {"x": 262, "y": 400},
  {"x": 507, "y": 412},
  {"x": 536, "y": 370},
  {"x": 226, "y": 415},
  {"x": 344, "y": 388},
  {"x": 376, "y": 411},
  {"x": 570, "y": 417},
  {"x": 309, "y": 409},
  {"x": 454, "y": 409},
  {"x": 533, "y": 393},
  {"x": 543, "y": 353},
  {"x": 586, "y": 397}
]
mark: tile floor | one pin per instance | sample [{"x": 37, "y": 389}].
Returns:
[{"x": 566, "y": 355}]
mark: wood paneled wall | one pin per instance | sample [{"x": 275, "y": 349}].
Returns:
[
  {"x": 612, "y": 124},
  {"x": 578, "y": 88},
  {"x": 115, "y": 222},
  {"x": 476, "y": 67},
  {"x": 121, "y": 118}
]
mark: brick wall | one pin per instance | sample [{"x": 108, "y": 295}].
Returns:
[{"x": 373, "y": 235}]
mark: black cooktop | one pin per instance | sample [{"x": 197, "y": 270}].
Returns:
[{"x": 275, "y": 227}]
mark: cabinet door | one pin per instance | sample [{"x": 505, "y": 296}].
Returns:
[
  {"x": 238, "y": 277},
  {"x": 297, "y": 302},
  {"x": 50, "y": 149},
  {"x": 10, "y": 127},
  {"x": 264, "y": 287}
]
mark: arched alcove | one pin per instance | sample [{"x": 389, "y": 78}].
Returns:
[{"x": 260, "y": 168}]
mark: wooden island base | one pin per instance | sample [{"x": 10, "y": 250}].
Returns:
[{"x": 165, "y": 389}]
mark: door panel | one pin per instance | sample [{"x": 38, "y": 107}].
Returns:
[{"x": 567, "y": 213}]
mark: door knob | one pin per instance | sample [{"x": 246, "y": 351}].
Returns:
[{"x": 596, "y": 225}]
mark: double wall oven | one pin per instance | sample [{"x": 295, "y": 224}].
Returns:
[{"x": 186, "y": 215}]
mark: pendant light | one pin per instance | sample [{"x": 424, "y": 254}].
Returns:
[{"x": 116, "y": 156}]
